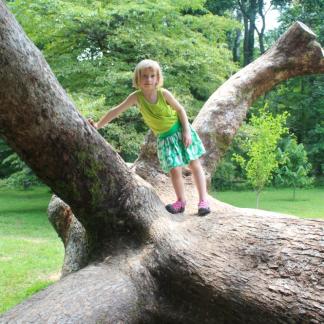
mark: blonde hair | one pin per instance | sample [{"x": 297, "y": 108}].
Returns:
[{"x": 147, "y": 64}]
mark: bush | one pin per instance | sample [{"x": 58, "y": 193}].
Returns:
[
  {"x": 126, "y": 140},
  {"x": 18, "y": 174},
  {"x": 224, "y": 176},
  {"x": 24, "y": 179}
]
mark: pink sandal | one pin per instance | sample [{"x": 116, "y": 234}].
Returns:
[
  {"x": 203, "y": 208},
  {"x": 177, "y": 207}
]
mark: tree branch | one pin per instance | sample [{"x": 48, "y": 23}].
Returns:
[
  {"x": 72, "y": 234},
  {"x": 295, "y": 53},
  {"x": 104, "y": 293}
]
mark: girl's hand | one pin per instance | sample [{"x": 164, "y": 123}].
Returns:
[
  {"x": 92, "y": 123},
  {"x": 186, "y": 137}
]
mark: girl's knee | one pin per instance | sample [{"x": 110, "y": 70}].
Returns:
[
  {"x": 194, "y": 164},
  {"x": 176, "y": 170}
]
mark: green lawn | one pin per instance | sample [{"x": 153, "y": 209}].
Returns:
[
  {"x": 31, "y": 253},
  {"x": 308, "y": 203}
]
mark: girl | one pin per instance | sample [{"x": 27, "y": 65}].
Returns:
[{"x": 177, "y": 142}]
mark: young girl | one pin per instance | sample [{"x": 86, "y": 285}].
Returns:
[{"x": 177, "y": 142}]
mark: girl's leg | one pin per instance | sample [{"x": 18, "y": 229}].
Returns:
[
  {"x": 199, "y": 179},
  {"x": 177, "y": 182}
]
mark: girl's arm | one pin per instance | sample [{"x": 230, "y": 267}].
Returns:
[
  {"x": 174, "y": 103},
  {"x": 131, "y": 100}
]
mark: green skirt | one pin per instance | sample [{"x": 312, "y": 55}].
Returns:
[{"x": 171, "y": 151}]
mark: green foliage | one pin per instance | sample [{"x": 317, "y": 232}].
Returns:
[
  {"x": 309, "y": 12},
  {"x": 5, "y": 152},
  {"x": 261, "y": 148},
  {"x": 94, "y": 46},
  {"x": 228, "y": 176},
  {"x": 220, "y": 7},
  {"x": 224, "y": 177},
  {"x": 303, "y": 97},
  {"x": 23, "y": 178},
  {"x": 294, "y": 166},
  {"x": 89, "y": 106},
  {"x": 126, "y": 143},
  {"x": 13, "y": 171},
  {"x": 229, "y": 173}
]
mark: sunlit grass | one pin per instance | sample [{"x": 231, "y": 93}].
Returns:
[
  {"x": 309, "y": 203},
  {"x": 31, "y": 253}
]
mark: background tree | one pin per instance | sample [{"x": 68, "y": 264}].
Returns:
[
  {"x": 293, "y": 166},
  {"x": 248, "y": 12},
  {"x": 265, "y": 132},
  {"x": 5, "y": 151},
  {"x": 303, "y": 97},
  {"x": 13, "y": 171},
  {"x": 229, "y": 173}
]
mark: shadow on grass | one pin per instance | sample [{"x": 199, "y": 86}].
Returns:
[
  {"x": 16, "y": 210},
  {"x": 290, "y": 200}
]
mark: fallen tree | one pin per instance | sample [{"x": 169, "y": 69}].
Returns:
[{"x": 128, "y": 260}]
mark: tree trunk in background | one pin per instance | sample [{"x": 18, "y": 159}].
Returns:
[
  {"x": 143, "y": 264},
  {"x": 249, "y": 12},
  {"x": 237, "y": 39},
  {"x": 252, "y": 12},
  {"x": 236, "y": 45},
  {"x": 261, "y": 32},
  {"x": 246, "y": 49}
]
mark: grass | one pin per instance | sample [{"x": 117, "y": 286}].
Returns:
[
  {"x": 308, "y": 203},
  {"x": 31, "y": 253}
]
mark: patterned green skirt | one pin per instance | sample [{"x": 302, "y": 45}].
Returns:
[{"x": 172, "y": 152}]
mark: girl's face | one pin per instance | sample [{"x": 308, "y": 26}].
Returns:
[{"x": 149, "y": 79}]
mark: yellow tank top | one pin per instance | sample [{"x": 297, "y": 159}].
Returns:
[{"x": 160, "y": 117}]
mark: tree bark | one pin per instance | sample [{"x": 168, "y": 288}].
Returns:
[
  {"x": 145, "y": 265},
  {"x": 72, "y": 234},
  {"x": 226, "y": 269}
]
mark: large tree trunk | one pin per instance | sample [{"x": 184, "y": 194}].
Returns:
[{"x": 139, "y": 263}]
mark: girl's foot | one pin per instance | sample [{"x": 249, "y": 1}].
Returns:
[
  {"x": 176, "y": 207},
  {"x": 203, "y": 208}
]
